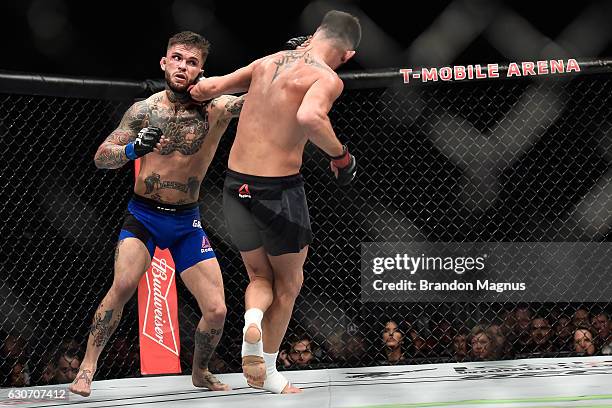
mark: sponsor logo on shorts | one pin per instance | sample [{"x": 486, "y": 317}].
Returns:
[
  {"x": 206, "y": 247},
  {"x": 197, "y": 224},
  {"x": 243, "y": 191}
]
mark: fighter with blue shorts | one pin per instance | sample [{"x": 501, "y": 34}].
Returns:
[
  {"x": 175, "y": 139},
  {"x": 174, "y": 226}
]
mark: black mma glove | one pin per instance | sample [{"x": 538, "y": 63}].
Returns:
[
  {"x": 295, "y": 42},
  {"x": 345, "y": 165},
  {"x": 145, "y": 142}
]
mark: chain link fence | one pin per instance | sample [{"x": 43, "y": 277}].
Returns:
[{"x": 518, "y": 160}]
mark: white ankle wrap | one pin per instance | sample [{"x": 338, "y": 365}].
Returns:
[
  {"x": 275, "y": 382},
  {"x": 252, "y": 316}
]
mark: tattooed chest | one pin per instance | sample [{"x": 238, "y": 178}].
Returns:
[{"x": 185, "y": 133}]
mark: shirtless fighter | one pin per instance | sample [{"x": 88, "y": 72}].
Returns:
[
  {"x": 290, "y": 95},
  {"x": 175, "y": 140}
]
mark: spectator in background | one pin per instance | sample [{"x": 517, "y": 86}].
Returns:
[
  {"x": 69, "y": 343},
  {"x": 393, "y": 341},
  {"x": 541, "y": 336},
  {"x": 13, "y": 361},
  {"x": 459, "y": 346},
  {"x": 502, "y": 347},
  {"x": 482, "y": 344},
  {"x": 342, "y": 348},
  {"x": 67, "y": 365},
  {"x": 583, "y": 340},
  {"x": 509, "y": 326},
  {"x": 47, "y": 376},
  {"x": 300, "y": 353},
  {"x": 422, "y": 343},
  {"x": 443, "y": 334},
  {"x": 124, "y": 356},
  {"x": 355, "y": 349},
  {"x": 20, "y": 375},
  {"x": 603, "y": 339},
  {"x": 334, "y": 345},
  {"x": 521, "y": 330},
  {"x": 67, "y": 349},
  {"x": 563, "y": 334},
  {"x": 581, "y": 318},
  {"x": 13, "y": 347}
]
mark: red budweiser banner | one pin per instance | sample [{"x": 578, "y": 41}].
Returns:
[{"x": 158, "y": 315}]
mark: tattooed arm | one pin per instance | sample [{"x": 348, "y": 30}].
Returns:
[
  {"x": 230, "y": 105},
  {"x": 111, "y": 153}
]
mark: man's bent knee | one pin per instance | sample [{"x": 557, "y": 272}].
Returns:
[
  {"x": 123, "y": 289},
  {"x": 215, "y": 314},
  {"x": 259, "y": 271},
  {"x": 289, "y": 288},
  {"x": 287, "y": 293},
  {"x": 261, "y": 279}
]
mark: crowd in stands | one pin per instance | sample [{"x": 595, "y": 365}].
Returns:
[{"x": 520, "y": 333}]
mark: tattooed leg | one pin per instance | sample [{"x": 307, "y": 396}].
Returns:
[
  {"x": 103, "y": 327},
  {"x": 131, "y": 260},
  {"x": 206, "y": 340},
  {"x": 205, "y": 283},
  {"x": 82, "y": 383},
  {"x": 104, "y": 323}
]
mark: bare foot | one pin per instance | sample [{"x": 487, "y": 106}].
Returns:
[
  {"x": 253, "y": 367},
  {"x": 82, "y": 383},
  {"x": 206, "y": 379},
  {"x": 252, "y": 334},
  {"x": 254, "y": 370},
  {"x": 290, "y": 389}
]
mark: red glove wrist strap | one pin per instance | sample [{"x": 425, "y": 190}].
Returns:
[{"x": 343, "y": 160}]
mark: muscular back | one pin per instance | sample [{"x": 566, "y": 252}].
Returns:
[{"x": 269, "y": 141}]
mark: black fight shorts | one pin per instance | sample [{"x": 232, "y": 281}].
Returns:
[{"x": 266, "y": 211}]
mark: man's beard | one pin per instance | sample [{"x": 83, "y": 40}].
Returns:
[
  {"x": 177, "y": 93},
  {"x": 179, "y": 89}
]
